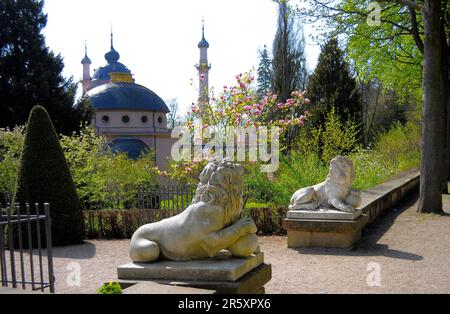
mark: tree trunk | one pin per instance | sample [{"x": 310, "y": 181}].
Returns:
[
  {"x": 443, "y": 106},
  {"x": 447, "y": 61},
  {"x": 430, "y": 199}
]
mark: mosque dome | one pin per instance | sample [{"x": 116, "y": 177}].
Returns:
[
  {"x": 86, "y": 60},
  {"x": 112, "y": 56},
  {"x": 126, "y": 96},
  {"x": 203, "y": 43},
  {"x": 103, "y": 73}
]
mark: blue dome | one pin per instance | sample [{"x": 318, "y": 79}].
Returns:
[
  {"x": 102, "y": 73},
  {"x": 133, "y": 148},
  {"x": 86, "y": 60},
  {"x": 126, "y": 96},
  {"x": 112, "y": 56},
  {"x": 203, "y": 43}
]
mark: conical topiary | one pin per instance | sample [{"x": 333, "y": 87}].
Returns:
[{"x": 44, "y": 177}]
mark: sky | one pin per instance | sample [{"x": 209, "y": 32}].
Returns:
[{"x": 157, "y": 40}]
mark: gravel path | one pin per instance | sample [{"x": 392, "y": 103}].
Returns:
[{"x": 412, "y": 250}]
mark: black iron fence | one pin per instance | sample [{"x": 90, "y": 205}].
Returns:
[
  {"x": 26, "y": 258},
  {"x": 157, "y": 202},
  {"x": 153, "y": 203}
]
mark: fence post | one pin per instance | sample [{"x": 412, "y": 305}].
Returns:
[
  {"x": 3, "y": 269},
  {"x": 48, "y": 235},
  {"x": 11, "y": 247}
]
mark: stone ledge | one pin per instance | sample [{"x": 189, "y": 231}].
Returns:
[{"x": 203, "y": 270}]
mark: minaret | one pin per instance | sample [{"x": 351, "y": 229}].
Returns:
[
  {"x": 203, "y": 69},
  {"x": 86, "y": 62}
]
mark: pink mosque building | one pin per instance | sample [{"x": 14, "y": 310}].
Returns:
[{"x": 132, "y": 117}]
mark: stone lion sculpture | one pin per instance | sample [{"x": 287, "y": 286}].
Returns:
[
  {"x": 207, "y": 227},
  {"x": 335, "y": 193}
]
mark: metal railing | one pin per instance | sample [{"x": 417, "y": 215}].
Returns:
[
  {"x": 21, "y": 240},
  {"x": 156, "y": 202}
]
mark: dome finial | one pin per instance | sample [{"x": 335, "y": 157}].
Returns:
[
  {"x": 112, "y": 38},
  {"x": 112, "y": 56},
  {"x": 203, "y": 27},
  {"x": 86, "y": 59},
  {"x": 203, "y": 43}
]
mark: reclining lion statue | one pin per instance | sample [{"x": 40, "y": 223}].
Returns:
[
  {"x": 207, "y": 227},
  {"x": 335, "y": 193}
]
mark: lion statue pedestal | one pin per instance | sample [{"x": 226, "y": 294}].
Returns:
[
  {"x": 208, "y": 245},
  {"x": 326, "y": 215}
]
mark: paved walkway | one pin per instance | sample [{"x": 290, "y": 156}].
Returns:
[{"x": 412, "y": 251}]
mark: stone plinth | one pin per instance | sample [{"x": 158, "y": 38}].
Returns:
[
  {"x": 324, "y": 233},
  {"x": 251, "y": 283},
  {"x": 229, "y": 276},
  {"x": 230, "y": 269}
]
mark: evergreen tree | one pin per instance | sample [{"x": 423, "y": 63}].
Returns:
[
  {"x": 289, "y": 62},
  {"x": 30, "y": 74},
  {"x": 44, "y": 177},
  {"x": 264, "y": 72},
  {"x": 331, "y": 85}
]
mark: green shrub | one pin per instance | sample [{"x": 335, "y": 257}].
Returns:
[
  {"x": 44, "y": 177},
  {"x": 401, "y": 145},
  {"x": 11, "y": 143},
  {"x": 110, "y": 288},
  {"x": 103, "y": 179}
]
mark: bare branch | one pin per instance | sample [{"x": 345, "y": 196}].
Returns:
[
  {"x": 415, "y": 30},
  {"x": 410, "y": 4}
]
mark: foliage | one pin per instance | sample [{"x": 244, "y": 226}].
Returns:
[
  {"x": 110, "y": 288},
  {"x": 30, "y": 73},
  {"x": 104, "y": 179},
  {"x": 332, "y": 85},
  {"x": 333, "y": 138},
  {"x": 11, "y": 143},
  {"x": 184, "y": 172},
  {"x": 44, "y": 177},
  {"x": 395, "y": 151}
]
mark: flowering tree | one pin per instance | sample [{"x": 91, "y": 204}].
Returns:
[{"x": 239, "y": 106}]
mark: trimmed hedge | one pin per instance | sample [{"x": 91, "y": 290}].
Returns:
[
  {"x": 44, "y": 177},
  {"x": 121, "y": 224}
]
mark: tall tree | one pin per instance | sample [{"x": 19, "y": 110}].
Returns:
[
  {"x": 264, "y": 72},
  {"x": 30, "y": 74},
  {"x": 430, "y": 199},
  {"x": 332, "y": 85},
  {"x": 44, "y": 177},
  {"x": 289, "y": 64}
]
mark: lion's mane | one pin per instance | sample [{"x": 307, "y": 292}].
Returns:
[{"x": 221, "y": 185}]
